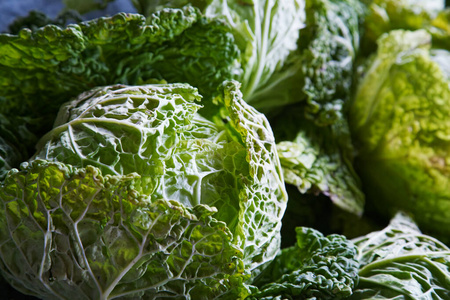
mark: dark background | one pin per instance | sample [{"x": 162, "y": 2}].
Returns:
[{"x": 11, "y": 9}]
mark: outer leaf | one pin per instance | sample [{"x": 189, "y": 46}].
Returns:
[
  {"x": 313, "y": 162},
  {"x": 125, "y": 129},
  {"x": 400, "y": 262},
  {"x": 264, "y": 47},
  {"x": 263, "y": 196},
  {"x": 400, "y": 126},
  {"x": 155, "y": 130},
  {"x": 329, "y": 45},
  {"x": 317, "y": 267},
  {"x": 54, "y": 64},
  {"x": 77, "y": 233},
  {"x": 386, "y": 15},
  {"x": 320, "y": 160},
  {"x": 317, "y": 153}
]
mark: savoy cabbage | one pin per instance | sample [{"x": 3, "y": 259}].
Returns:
[
  {"x": 399, "y": 121},
  {"x": 41, "y": 69},
  {"x": 158, "y": 180},
  {"x": 400, "y": 262},
  {"x": 134, "y": 193}
]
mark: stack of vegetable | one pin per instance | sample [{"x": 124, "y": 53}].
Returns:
[{"x": 295, "y": 149}]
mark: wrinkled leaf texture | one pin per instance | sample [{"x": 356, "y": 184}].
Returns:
[
  {"x": 399, "y": 262},
  {"x": 319, "y": 160},
  {"x": 317, "y": 267},
  {"x": 223, "y": 168},
  {"x": 40, "y": 70},
  {"x": 400, "y": 129},
  {"x": 313, "y": 136}
]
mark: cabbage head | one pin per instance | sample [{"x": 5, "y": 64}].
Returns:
[
  {"x": 401, "y": 128},
  {"x": 134, "y": 194}
]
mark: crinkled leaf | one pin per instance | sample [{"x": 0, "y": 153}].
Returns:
[
  {"x": 383, "y": 16},
  {"x": 263, "y": 196},
  {"x": 399, "y": 121},
  {"x": 229, "y": 162},
  {"x": 329, "y": 44},
  {"x": 73, "y": 231},
  {"x": 317, "y": 267},
  {"x": 124, "y": 129},
  {"x": 399, "y": 262},
  {"x": 264, "y": 47},
  {"x": 320, "y": 160},
  {"x": 40, "y": 70}
]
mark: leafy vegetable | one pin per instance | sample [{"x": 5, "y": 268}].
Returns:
[
  {"x": 386, "y": 15},
  {"x": 268, "y": 67},
  {"x": 399, "y": 262},
  {"x": 40, "y": 70},
  {"x": 400, "y": 127},
  {"x": 159, "y": 180},
  {"x": 276, "y": 67},
  {"x": 264, "y": 48},
  {"x": 135, "y": 194},
  {"x": 317, "y": 267},
  {"x": 315, "y": 147},
  {"x": 308, "y": 56},
  {"x": 329, "y": 45},
  {"x": 98, "y": 238},
  {"x": 319, "y": 160}
]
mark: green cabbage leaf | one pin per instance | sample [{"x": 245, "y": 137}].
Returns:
[
  {"x": 42, "y": 69},
  {"x": 134, "y": 193},
  {"x": 264, "y": 48},
  {"x": 400, "y": 127},
  {"x": 328, "y": 46},
  {"x": 316, "y": 267},
  {"x": 319, "y": 160},
  {"x": 399, "y": 262},
  {"x": 96, "y": 237},
  {"x": 383, "y": 16},
  {"x": 313, "y": 137}
]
